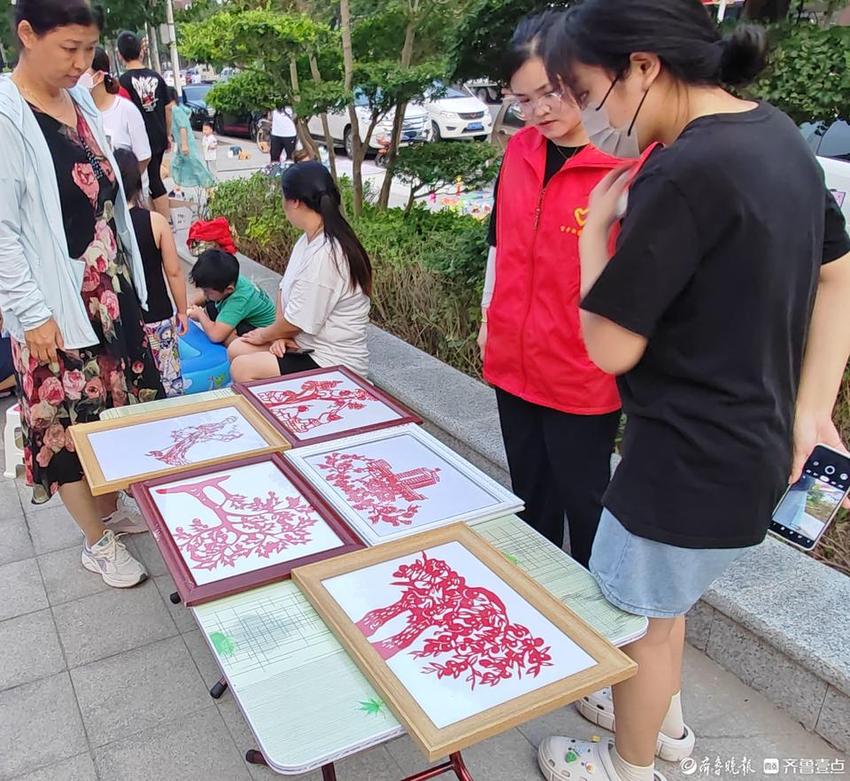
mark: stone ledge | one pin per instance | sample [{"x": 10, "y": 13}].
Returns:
[{"x": 776, "y": 619}]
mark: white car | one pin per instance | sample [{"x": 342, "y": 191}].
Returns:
[
  {"x": 416, "y": 127},
  {"x": 830, "y": 141},
  {"x": 457, "y": 114}
]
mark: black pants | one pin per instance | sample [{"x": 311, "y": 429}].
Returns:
[
  {"x": 157, "y": 187},
  {"x": 292, "y": 363},
  {"x": 560, "y": 463},
  {"x": 281, "y": 143}
]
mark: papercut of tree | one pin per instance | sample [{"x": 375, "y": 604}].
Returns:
[
  {"x": 371, "y": 486},
  {"x": 185, "y": 439},
  {"x": 465, "y": 628},
  {"x": 289, "y": 406},
  {"x": 261, "y": 526}
]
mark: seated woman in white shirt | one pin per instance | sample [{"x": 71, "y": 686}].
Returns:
[
  {"x": 122, "y": 121},
  {"x": 323, "y": 306}
]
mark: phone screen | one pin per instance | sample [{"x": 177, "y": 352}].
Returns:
[{"x": 807, "y": 507}]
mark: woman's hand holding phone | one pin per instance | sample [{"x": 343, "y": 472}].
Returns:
[{"x": 809, "y": 431}]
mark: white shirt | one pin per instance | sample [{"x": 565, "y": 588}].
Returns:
[
  {"x": 282, "y": 124},
  {"x": 316, "y": 296},
  {"x": 210, "y": 144},
  {"x": 125, "y": 128}
]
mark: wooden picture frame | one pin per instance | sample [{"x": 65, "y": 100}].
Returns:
[
  {"x": 609, "y": 666},
  {"x": 467, "y": 493},
  {"x": 401, "y": 415},
  {"x": 194, "y": 593},
  {"x": 267, "y": 439}
]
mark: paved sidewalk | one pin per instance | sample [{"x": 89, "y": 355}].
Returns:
[{"x": 97, "y": 683}]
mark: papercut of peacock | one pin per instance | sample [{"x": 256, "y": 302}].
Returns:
[{"x": 464, "y": 629}]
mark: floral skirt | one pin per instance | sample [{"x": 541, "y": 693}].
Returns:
[{"x": 119, "y": 370}]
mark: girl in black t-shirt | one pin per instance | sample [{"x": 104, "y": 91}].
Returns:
[
  {"x": 704, "y": 311},
  {"x": 160, "y": 260}
]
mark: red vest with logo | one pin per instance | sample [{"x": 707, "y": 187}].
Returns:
[{"x": 534, "y": 346}]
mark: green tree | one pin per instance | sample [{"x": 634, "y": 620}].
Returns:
[
  {"x": 429, "y": 167},
  {"x": 267, "y": 44},
  {"x": 483, "y": 35},
  {"x": 809, "y": 73}
]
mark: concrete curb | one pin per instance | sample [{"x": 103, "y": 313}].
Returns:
[{"x": 777, "y": 619}]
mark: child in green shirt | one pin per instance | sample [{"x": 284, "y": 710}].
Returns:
[{"x": 227, "y": 305}]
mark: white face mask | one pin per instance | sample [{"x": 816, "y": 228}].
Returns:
[{"x": 85, "y": 81}]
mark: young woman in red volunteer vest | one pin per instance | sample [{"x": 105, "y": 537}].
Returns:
[
  {"x": 723, "y": 311},
  {"x": 559, "y": 412}
]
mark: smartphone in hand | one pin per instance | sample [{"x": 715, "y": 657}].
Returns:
[{"x": 808, "y": 507}]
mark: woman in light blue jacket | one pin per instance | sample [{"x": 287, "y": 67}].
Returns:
[{"x": 71, "y": 277}]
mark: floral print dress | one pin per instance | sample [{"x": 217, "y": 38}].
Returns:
[{"x": 120, "y": 368}]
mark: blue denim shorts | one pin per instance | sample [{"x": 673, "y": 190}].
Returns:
[{"x": 649, "y": 578}]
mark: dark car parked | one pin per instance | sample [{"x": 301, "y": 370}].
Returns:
[
  {"x": 195, "y": 99},
  {"x": 242, "y": 125}
]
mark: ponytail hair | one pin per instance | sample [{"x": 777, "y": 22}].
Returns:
[
  {"x": 131, "y": 177},
  {"x": 100, "y": 62},
  {"x": 605, "y": 33},
  {"x": 311, "y": 183}
]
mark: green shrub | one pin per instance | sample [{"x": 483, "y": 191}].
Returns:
[{"x": 428, "y": 266}]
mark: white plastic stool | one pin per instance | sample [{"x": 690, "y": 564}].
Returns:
[{"x": 14, "y": 454}]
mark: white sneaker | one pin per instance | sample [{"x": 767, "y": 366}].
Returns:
[
  {"x": 126, "y": 519},
  {"x": 110, "y": 559}
]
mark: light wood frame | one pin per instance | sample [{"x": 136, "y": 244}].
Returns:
[
  {"x": 94, "y": 474},
  {"x": 504, "y": 502},
  {"x": 612, "y": 665}
]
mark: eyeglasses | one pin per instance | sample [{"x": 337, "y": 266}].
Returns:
[{"x": 525, "y": 107}]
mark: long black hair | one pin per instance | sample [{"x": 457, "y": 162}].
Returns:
[
  {"x": 606, "y": 32},
  {"x": 529, "y": 40},
  {"x": 311, "y": 183},
  {"x": 100, "y": 62},
  {"x": 131, "y": 177},
  {"x": 47, "y": 15}
]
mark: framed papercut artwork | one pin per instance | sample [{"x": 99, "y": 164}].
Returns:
[
  {"x": 459, "y": 642},
  {"x": 391, "y": 483},
  {"x": 323, "y": 404},
  {"x": 117, "y": 453},
  {"x": 227, "y": 528}
]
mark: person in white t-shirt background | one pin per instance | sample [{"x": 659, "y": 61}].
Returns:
[
  {"x": 284, "y": 134},
  {"x": 122, "y": 121},
  {"x": 323, "y": 304}
]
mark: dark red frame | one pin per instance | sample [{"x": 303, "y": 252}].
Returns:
[
  {"x": 193, "y": 594},
  {"x": 406, "y": 414}
]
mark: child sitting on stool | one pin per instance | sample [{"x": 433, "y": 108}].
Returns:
[{"x": 227, "y": 305}]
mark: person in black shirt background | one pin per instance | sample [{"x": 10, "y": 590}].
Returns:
[
  {"x": 722, "y": 311},
  {"x": 149, "y": 92}
]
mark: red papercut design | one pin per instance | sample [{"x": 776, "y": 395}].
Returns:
[
  {"x": 184, "y": 439},
  {"x": 467, "y": 623},
  {"x": 261, "y": 526},
  {"x": 281, "y": 402},
  {"x": 371, "y": 486}
]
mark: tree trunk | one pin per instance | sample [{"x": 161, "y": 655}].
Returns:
[
  {"x": 329, "y": 143},
  {"x": 300, "y": 125},
  {"x": 398, "y": 119},
  {"x": 348, "y": 64}
]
